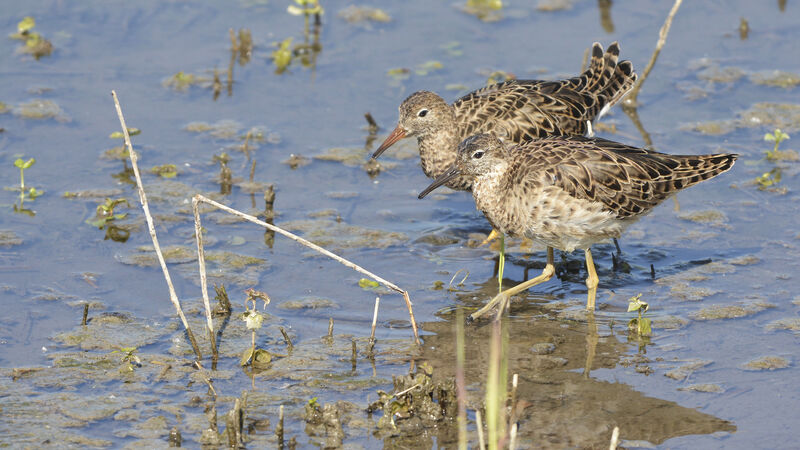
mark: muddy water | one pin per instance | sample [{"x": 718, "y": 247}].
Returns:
[{"x": 718, "y": 371}]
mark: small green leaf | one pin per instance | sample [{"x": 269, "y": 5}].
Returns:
[
  {"x": 165, "y": 171},
  {"x": 252, "y": 320},
  {"x": 261, "y": 358},
  {"x": 294, "y": 10},
  {"x": 282, "y": 57},
  {"x": 430, "y": 66},
  {"x": 121, "y": 135},
  {"x": 26, "y": 24},
  {"x": 636, "y": 303},
  {"x": 367, "y": 284},
  {"x": 246, "y": 355},
  {"x": 769, "y": 137},
  {"x": 34, "y": 193},
  {"x": 24, "y": 164}
]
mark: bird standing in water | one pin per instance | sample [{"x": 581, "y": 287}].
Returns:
[
  {"x": 514, "y": 110},
  {"x": 570, "y": 192}
]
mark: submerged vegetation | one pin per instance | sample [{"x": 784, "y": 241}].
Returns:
[{"x": 35, "y": 43}]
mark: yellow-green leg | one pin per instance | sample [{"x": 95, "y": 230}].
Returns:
[
  {"x": 492, "y": 236},
  {"x": 591, "y": 281},
  {"x": 547, "y": 273},
  {"x": 501, "y": 263}
]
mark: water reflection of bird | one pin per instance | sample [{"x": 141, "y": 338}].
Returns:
[{"x": 571, "y": 192}]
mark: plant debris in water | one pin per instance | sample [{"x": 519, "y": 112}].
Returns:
[
  {"x": 8, "y": 238},
  {"x": 416, "y": 402},
  {"x": 767, "y": 363},
  {"x": 716, "y": 312},
  {"x": 776, "y": 78},
  {"x": 790, "y": 324},
  {"x": 683, "y": 372},
  {"x": 709, "y": 388},
  {"x": 485, "y": 10},
  {"x": 359, "y": 14},
  {"x": 336, "y": 235},
  {"x": 40, "y": 109},
  {"x": 785, "y": 116},
  {"x": 35, "y": 44}
]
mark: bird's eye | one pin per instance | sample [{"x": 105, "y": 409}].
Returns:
[
  {"x": 422, "y": 113},
  {"x": 477, "y": 155}
]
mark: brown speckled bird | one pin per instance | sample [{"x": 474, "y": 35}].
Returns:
[
  {"x": 571, "y": 192},
  {"x": 515, "y": 110}
]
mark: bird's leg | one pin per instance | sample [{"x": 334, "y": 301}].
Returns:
[
  {"x": 591, "y": 281},
  {"x": 547, "y": 273},
  {"x": 492, "y": 236},
  {"x": 501, "y": 262}
]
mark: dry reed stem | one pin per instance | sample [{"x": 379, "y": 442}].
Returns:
[
  {"x": 143, "y": 200},
  {"x": 614, "y": 439},
  {"x": 512, "y": 442},
  {"x": 662, "y": 39},
  {"x": 479, "y": 425},
  {"x": 374, "y": 319},
  {"x": 317, "y": 248},
  {"x": 201, "y": 262}
]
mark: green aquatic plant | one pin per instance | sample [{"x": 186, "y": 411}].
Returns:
[
  {"x": 367, "y": 284},
  {"x": 769, "y": 179},
  {"x": 305, "y": 8},
  {"x": 121, "y": 135},
  {"x": 485, "y": 10},
  {"x": 777, "y": 137},
  {"x": 32, "y": 192},
  {"x": 129, "y": 357},
  {"x": 257, "y": 358},
  {"x": 165, "y": 171},
  {"x": 282, "y": 56},
  {"x": 35, "y": 44},
  {"x": 639, "y": 324},
  {"x": 105, "y": 212}
]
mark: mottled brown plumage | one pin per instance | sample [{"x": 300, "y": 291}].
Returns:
[
  {"x": 570, "y": 192},
  {"x": 516, "y": 111}
]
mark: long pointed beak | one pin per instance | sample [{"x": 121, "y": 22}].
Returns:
[
  {"x": 451, "y": 173},
  {"x": 398, "y": 133}
]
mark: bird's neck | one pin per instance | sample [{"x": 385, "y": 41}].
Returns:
[
  {"x": 487, "y": 189},
  {"x": 438, "y": 146}
]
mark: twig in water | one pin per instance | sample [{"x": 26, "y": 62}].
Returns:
[
  {"x": 200, "y": 198},
  {"x": 614, "y": 439},
  {"x": 479, "y": 425},
  {"x": 201, "y": 373},
  {"x": 143, "y": 200},
  {"x": 371, "y": 347},
  {"x": 286, "y": 338},
  {"x": 330, "y": 328},
  {"x": 354, "y": 355},
  {"x": 373, "y": 126},
  {"x": 85, "y": 313},
  {"x": 201, "y": 262},
  {"x": 630, "y": 100},
  {"x": 460, "y": 283},
  {"x": 512, "y": 441},
  {"x": 279, "y": 428}
]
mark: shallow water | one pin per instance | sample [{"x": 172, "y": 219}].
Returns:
[{"x": 724, "y": 243}]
